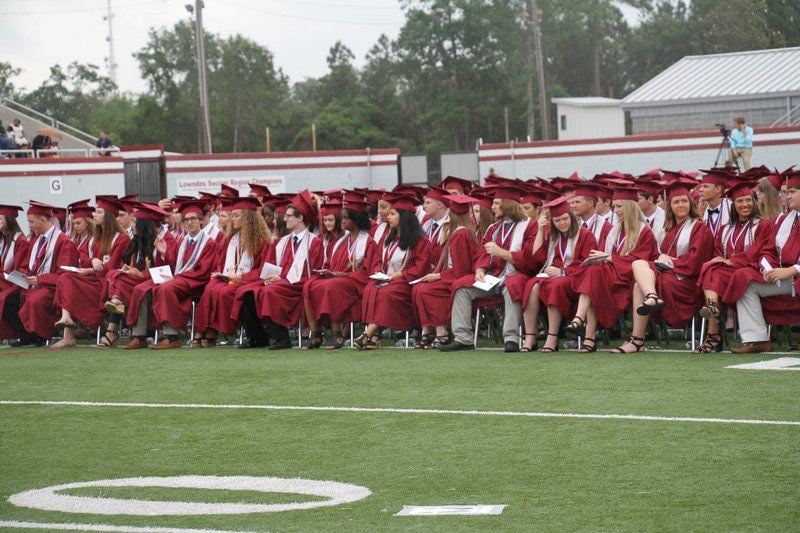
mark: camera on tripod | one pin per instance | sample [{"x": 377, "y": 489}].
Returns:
[{"x": 724, "y": 130}]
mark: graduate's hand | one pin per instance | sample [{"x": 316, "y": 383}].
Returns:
[
  {"x": 543, "y": 219},
  {"x": 664, "y": 258},
  {"x": 396, "y": 275},
  {"x": 492, "y": 248},
  {"x": 552, "y": 271},
  {"x": 595, "y": 253},
  {"x": 135, "y": 272},
  {"x": 161, "y": 245},
  {"x": 779, "y": 274},
  {"x": 33, "y": 280},
  {"x": 236, "y": 278},
  {"x": 271, "y": 279},
  {"x": 97, "y": 264},
  {"x": 431, "y": 277},
  {"x": 86, "y": 271},
  {"x": 480, "y": 274},
  {"x": 339, "y": 274}
]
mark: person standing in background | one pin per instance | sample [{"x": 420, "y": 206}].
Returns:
[{"x": 741, "y": 142}]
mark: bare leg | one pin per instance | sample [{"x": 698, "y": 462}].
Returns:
[
  {"x": 644, "y": 276},
  {"x": 553, "y": 323},
  {"x": 531, "y": 317},
  {"x": 312, "y": 323},
  {"x": 636, "y": 341}
]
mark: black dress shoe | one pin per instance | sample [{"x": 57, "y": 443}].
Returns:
[
  {"x": 511, "y": 347},
  {"x": 28, "y": 340},
  {"x": 455, "y": 346},
  {"x": 254, "y": 343},
  {"x": 281, "y": 344}
]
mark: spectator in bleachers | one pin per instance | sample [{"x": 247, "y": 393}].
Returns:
[
  {"x": 104, "y": 142},
  {"x": 6, "y": 143}
]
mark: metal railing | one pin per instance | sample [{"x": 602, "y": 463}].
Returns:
[
  {"x": 96, "y": 151},
  {"x": 6, "y": 152},
  {"x": 49, "y": 120},
  {"x": 81, "y": 152},
  {"x": 787, "y": 120},
  {"x": 45, "y": 152}
]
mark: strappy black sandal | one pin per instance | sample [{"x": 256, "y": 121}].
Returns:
[
  {"x": 361, "y": 341},
  {"x": 547, "y": 349},
  {"x": 584, "y": 349},
  {"x": 646, "y": 309},
  {"x": 526, "y": 349},
  {"x": 713, "y": 343},
  {"x": 424, "y": 341},
  {"x": 440, "y": 340},
  {"x": 109, "y": 342},
  {"x": 373, "y": 343},
  {"x": 577, "y": 327},
  {"x": 338, "y": 344},
  {"x": 314, "y": 341},
  {"x": 710, "y": 310},
  {"x": 637, "y": 342}
]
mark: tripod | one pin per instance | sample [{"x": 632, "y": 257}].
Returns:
[{"x": 724, "y": 153}]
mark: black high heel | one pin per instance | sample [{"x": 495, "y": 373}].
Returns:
[
  {"x": 584, "y": 349},
  {"x": 314, "y": 341},
  {"x": 533, "y": 348},
  {"x": 577, "y": 327},
  {"x": 713, "y": 343},
  {"x": 547, "y": 349}
]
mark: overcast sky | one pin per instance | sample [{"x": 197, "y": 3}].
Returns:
[
  {"x": 298, "y": 32},
  {"x": 38, "y": 34}
]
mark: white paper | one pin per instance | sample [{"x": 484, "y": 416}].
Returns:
[
  {"x": 594, "y": 260},
  {"x": 542, "y": 275},
  {"x": 767, "y": 267},
  {"x": 17, "y": 278},
  {"x": 488, "y": 282},
  {"x": 160, "y": 274},
  {"x": 270, "y": 269},
  {"x": 415, "y": 281},
  {"x": 70, "y": 268},
  {"x": 379, "y": 276}
]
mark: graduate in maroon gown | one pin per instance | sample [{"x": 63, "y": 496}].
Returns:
[
  {"x": 436, "y": 216},
  {"x": 79, "y": 294},
  {"x": 433, "y": 296},
  {"x": 584, "y": 205},
  {"x": 170, "y": 303},
  {"x": 81, "y": 230},
  {"x": 335, "y": 294},
  {"x": 605, "y": 288},
  {"x": 561, "y": 245},
  {"x": 50, "y": 250},
  {"x": 402, "y": 257},
  {"x": 277, "y": 300},
  {"x": 240, "y": 254},
  {"x": 13, "y": 256},
  {"x": 668, "y": 285},
  {"x": 738, "y": 249},
  {"x": 331, "y": 231}
]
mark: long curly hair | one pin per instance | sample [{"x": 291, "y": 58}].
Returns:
[{"x": 254, "y": 232}]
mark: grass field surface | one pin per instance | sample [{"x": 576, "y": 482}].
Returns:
[{"x": 553, "y": 473}]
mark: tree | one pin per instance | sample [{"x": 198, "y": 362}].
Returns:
[{"x": 7, "y": 73}]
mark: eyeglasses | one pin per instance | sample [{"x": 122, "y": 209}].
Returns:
[
  {"x": 191, "y": 219},
  {"x": 287, "y": 215}
]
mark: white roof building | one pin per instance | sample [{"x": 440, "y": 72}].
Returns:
[{"x": 699, "y": 91}]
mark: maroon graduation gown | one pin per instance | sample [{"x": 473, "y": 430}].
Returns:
[
  {"x": 339, "y": 299},
  {"x": 432, "y": 301},
  {"x": 83, "y": 296},
  {"x": 38, "y": 313},
  {"x": 389, "y": 304},
  {"x": 609, "y": 285},
  {"x": 214, "y": 309},
  {"x": 785, "y": 309},
  {"x": 20, "y": 260},
  {"x": 171, "y": 302},
  {"x": 682, "y": 297}
]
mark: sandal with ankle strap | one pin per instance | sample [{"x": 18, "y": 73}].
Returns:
[
  {"x": 526, "y": 349},
  {"x": 338, "y": 343},
  {"x": 109, "y": 342},
  {"x": 424, "y": 341},
  {"x": 710, "y": 310},
  {"x": 577, "y": 327},
  {"x": 361, "y": 341},
  {"x": 646, "y": 309},
  {"x": 713, "y": 343},
  {"x": 584, "y": 349},
  {"x": 314, "y": 341},
  {"x": 637, "y": 342},
  {"x": 547, "y": 349},
  {"x": 373, "y": 343},
  {"x": 440, "y": 340}
]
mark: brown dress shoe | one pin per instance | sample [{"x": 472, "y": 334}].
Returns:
[
  {"x": 166, "y": 344},
  {"x": 753, "y": 347},
  {"x": 136, "y": 344}
]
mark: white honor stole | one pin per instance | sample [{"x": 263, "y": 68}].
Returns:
[
  {"x": 380, "y": 232},
  {"x": 613, "y": 236},
  {"x": 397, "y": 261},
  {"x": 300, "y": 259},
  {"x": 235, "y": 264},
  {"x": 8, "y": 261},
  {"x": 47, "y": 264},
  {"x": 684, "y": 240},
  {"x": 516, "y": 245},
  {"x": 748, "y": 236},
  {"x": 449, "y": 255},
  {"x": 360, "y": 250},
  {"x": 182, "y": 265}
]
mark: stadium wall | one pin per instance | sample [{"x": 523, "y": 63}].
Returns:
[{"x": 773, "y": 147}]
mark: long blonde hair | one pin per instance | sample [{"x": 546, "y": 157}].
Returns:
[
  {"x": 254, "y": 232},
  {"x": 770, "y": 204},
  {"x": 631, "y": 221},
  {"x": 669, "y": 217}
]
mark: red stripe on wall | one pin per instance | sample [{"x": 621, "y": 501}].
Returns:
[
  {"x": 691, "y": 147},
  {"x": 276, "y": 167},
  {"x": 281, "y": 155},
  {"x": 34, "y": 173}
]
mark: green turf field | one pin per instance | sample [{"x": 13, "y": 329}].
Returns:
[{"x": 553, "y": 473}]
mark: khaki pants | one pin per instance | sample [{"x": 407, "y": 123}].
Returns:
[
  {"x": 461, "y": 320},
  {"x": 744, "y": 155},
  {"x": 752, "y": 326}
]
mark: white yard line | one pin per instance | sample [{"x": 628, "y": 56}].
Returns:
[
  {"x": 103, "y": 527},
  {"x": 405, "y": 411}
]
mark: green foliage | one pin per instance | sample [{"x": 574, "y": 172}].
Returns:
[{"x": 444, "y": 82}]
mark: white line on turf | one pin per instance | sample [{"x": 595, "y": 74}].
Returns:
[
  {"x": 406, "y": 411},
  {"x": 103, "y": 527}
]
